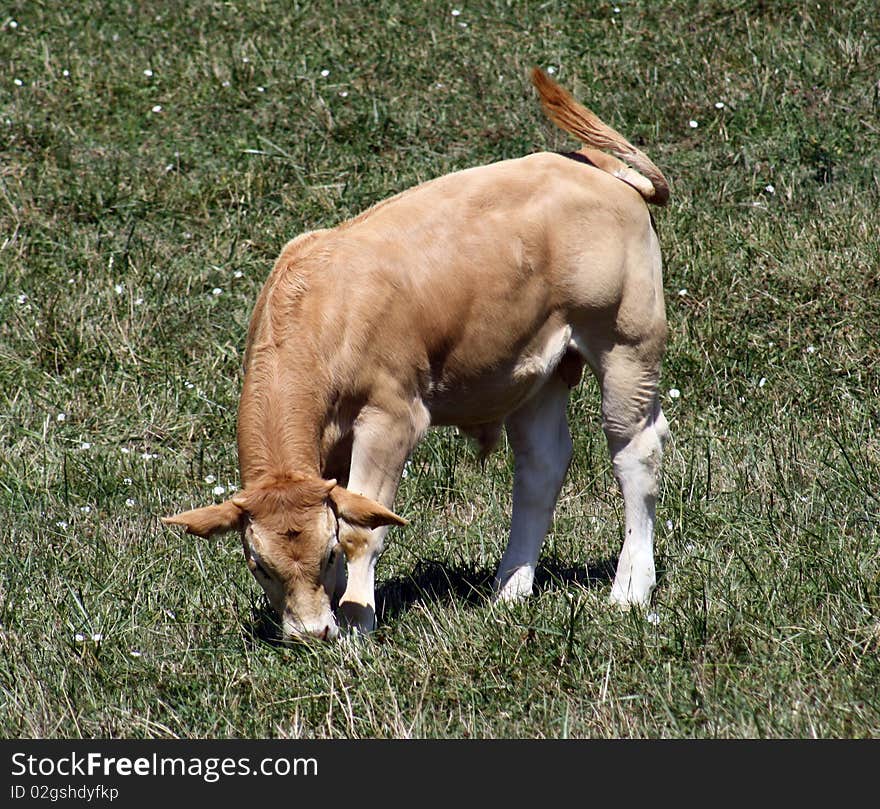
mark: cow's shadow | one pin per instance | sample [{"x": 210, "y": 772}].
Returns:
[{"x": 435, "y": 581}]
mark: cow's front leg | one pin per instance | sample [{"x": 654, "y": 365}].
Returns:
[
  {"x": 383, "y": 440},
  {"x": 538, "y": 433}
]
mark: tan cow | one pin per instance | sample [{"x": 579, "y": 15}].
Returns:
[{"x": 471, "y": 300}]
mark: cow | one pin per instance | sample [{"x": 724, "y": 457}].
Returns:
[{"x": 472, "y": 300}]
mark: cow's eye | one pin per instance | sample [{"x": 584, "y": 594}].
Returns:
[{"x": 331, "y": 557}]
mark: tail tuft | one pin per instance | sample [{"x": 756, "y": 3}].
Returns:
[{"x": 577, "y": 120}]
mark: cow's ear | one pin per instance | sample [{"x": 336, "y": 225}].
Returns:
[
  {"x": 359, "y": 510},
  {"x": 210, "y": 520}
]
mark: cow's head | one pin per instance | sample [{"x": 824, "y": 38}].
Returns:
[{"x": 289, "y": 528}]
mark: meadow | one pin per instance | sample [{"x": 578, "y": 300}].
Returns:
[{"x": 154, "y": 158}]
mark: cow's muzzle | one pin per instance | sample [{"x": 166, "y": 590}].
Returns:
[{"x": 321, "y": 630}]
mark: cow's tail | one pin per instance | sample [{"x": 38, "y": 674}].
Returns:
[{"x": 574, "y": 118}]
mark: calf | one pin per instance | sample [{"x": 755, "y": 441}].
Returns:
[{"x": 471, "y": 300}]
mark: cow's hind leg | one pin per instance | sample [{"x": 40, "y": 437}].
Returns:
[
  {"x": 538, "y": 433},
  {"x": 636, "y": 430}
]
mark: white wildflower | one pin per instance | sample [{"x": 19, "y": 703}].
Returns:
[
  {"x": 261, "y": 89},
  {"x": 97, "y": 637},
  {"x": 551, "y": 70},
  {"x": 129, "y": 501},
  {"x": 770, "y": 189},
  {"x": 652, "y": 618},
  {"x": 126, "y": 481},
  {"x": 719, "y": 105},
  {"x": 22, "y": 299},
  {"x": 237, "y": 274},
  {"x": 79, "y": 637},
  {"x": 219, "y": 490},
  {"x": 682, "y": 292},
  {"x": 86, "y": 509},
  {"x": 65, "y": 72},
  {"x": 216, "y": 291},
  {"x": 18, "y": 82},
  {"x": 62, "y": 524},
  {"x": 811, "y": 349},
  {"x": 210, "y": 479},
  {"x": 343, "y": 94},
  {"x": 119, "y": 288},
  {"x": 85, "y": 445},
  {"x": 674, "y": 393},
  {"x": 13, "y": 24},
  {"x": 762, "y": 381},
  {"x": 669, "y": 525},
  {"x": 148, "y": 73},
  {"x": 135, "y": 653},
  {"x": 157, "y": 108},
  {"x": 456, "y": 12},
  {"x": 61, "y": 417},
  {"x": 325, "y": 73},
  {"x": 693, "y": 124}
]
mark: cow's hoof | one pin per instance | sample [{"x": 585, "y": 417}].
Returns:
[
  {"x": 627, "y": 598},
  {"x": 517, "y": 586},
  {"x": 360, "y": 617}
]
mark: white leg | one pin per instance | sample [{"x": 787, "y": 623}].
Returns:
[
  {"x": 382, "y": 444},
  {"x": 541, "y": 443},
  {"x": 636, "y": 467},
  {"x": 636, "y": 430}
]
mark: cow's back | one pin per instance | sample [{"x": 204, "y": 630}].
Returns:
[{"x": 460, "y": 288}]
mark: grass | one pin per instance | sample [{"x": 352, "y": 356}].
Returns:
[{"x": 139, "y": 215}]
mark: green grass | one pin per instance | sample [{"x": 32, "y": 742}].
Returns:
[{"x": 117, "y": 223}]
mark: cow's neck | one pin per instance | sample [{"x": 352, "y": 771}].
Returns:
[{"x": 280, "y": 418}]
